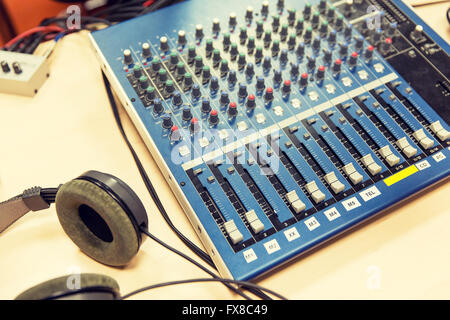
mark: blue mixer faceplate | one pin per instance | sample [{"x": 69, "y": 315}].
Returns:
[{"x": 279, "y": 131}]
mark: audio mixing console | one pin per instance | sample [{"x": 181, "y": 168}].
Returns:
[{"x": 283, "y": 124}]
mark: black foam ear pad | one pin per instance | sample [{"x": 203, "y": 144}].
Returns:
[
  {"x": 92, "y": 286},
  {"x": 97, "y": 222}
]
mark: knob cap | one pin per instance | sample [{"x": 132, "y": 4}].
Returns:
[
  {"x": 182, "y": 38},
  {"x": 127, "y": 57},
  {"x": 194, "y": 126},
  {"x": 163, "y": 44},
  {"x": 206, "y": 106},
  {"x": 166, "y": 121},
  {"x": 232, "y": 109},
  {"x": 213, "y": 117},
  {"x": 303, "y": 82},
  {"x": 268, "y": 95},
  {"x": 251, "y": 103},
  {"x": 187, "y": 114},
  {"x": 146, "y": 50},
  {"x": 157, "y": 106}
]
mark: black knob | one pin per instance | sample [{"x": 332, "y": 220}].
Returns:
[
  {"x": 173, "y": 58},
  {"x": 216, "y": 56},
  {"x": 265, "y": 8},
  {"x": 291, "y": 16},
  {"x": 337, "y": 66},
  {"x": 232, "y": 21},
  {"x": 180, "y": 68},
  {"x": 143, "y": 81},
  {"x": 323, "y": 30},
  {"x": 187, "y": 80},
  {"x": 5, "y": 67},
  {"x": 284, "y": 31},
  {"x": 275, "y": 47},
  {"x": 226, "y": 40},
  {"x": 162, "y": 75},
  {"x": 339, "y": 23},
  {"x": 182, "y": 38},
  {"x": 206, "y": 73},
  {"x": 163, "y": 44},
  {"x": 330, "y": 14},
  {"x": 213, "y": 117},
  {"x": 241, "y": 60},
  {"x": 268, "y": 95},
  {"x": 216, "y": 26},
  {"x": 156, "y": 64},
  {"x": 198, "y": 63},
  {"x": 348, "y": 31},
  {"x": 242, "y": 93},
  {"x": 286, "y": 88},
  {"x": 259, "y": 28},
  {"x": 150, "y": 93},
  {"x": 232, "y": 78},
  {"x": 315, "y": 20},
  {"x": 199, "y": 32},
  {"x": 284, "y": 56},
  {"x": 191, "y": 53},
  {"x": 127, "y": 57},
  {"x": 327, "y": 56},
  {"x": 311, "y": 64},
  {"x": 359, "y": 43},
  {"x": 194, "y": 126},
  {"x": 267, "y": 37},
  {"x": 300, "y": 51},
  {"x": 169, "y": 88},
  {"x": 224, "y": 99},
  {"x": 234, "y": 51},
  {"x": 167, "y": 122},
  {"x": 368, "y": 54},
  {"x": 157, "y": 106},
  {"x": 250, "y": 70},
  {"x": 292, "y": 41},
  {"x": 322, "y": 6},
  {"x": 260, "y": 84},
  {"x": 307, "y": 11},
  {"x": 258, "y": 54},
  {"x": 332, "y": 38},
  {"x": 249, "y": 13},
  {"x": 214, "y": 85},
  {"x": 232, "y": 109},
  {"x": 243, "y": 34},
  {"x": 251, "y": 43},
  {"x": 308, "y": 35},
  {"x": 303, "y": 82},
  {"x": 267, "y": 64},
  {"x": 343, "y": 49},
  {"x": 206, "y": 105},
  {"x": 277, "y": 77},
  {"x": 187, "y": 114},
  {"x": 316, "y": 43},
  {"x": 251, "y": 103},
  {"x": 196, "y": 93},
  {"x": 299, "y": 26},
  {"x": 177, "y": 100},
  {"x": 146, "y": 53},
  {"x": 224, "y": 67},
  {"x": 275, "y": 22},
  {"x": 320, "y": 74},
  {"x": 209, "y": 47},
  {"x": 137, "y": 70},
  {"x": 294, "y": 70}
]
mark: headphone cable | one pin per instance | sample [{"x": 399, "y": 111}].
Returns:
[{"x": 199, "y": 252}]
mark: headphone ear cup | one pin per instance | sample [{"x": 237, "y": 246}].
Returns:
[
  {"x": 96, "y": 223},
  {"x": 66, "y": 285}
]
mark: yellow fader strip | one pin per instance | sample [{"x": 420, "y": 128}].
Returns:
[{"x": 400, "y": 175}]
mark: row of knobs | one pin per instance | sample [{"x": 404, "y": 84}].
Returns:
[{"x": 299, "y": 25}]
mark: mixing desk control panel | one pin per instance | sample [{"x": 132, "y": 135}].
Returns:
[{"x": 281, "y": 124}]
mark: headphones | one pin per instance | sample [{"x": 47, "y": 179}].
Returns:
[{"x": 101, "y": 214}]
